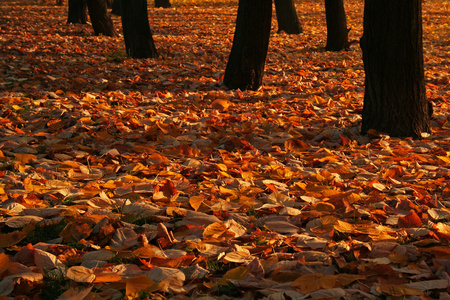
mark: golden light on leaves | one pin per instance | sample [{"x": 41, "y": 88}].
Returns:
[
  {"x": 80, "y": 274},
  {"x": 141, "y": 283},
  {"x": 116, "y": 172}
]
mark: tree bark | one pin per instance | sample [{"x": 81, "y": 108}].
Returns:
[
  {"x": 136, "y": 30},
  {"x": 117, "y": 7},
  {"x": 287, "y": 17},
  {"x": 245, "y": 66},
  {"x": 77, "y": 12},
  {"x": 163, "y": 3},
  {"x": 394, "y": 101},
  {"x": 101, "y": 18},
  {"x": 337, "y": 31}
]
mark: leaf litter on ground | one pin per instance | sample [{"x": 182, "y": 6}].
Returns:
[{"x": 124, "y": 178}]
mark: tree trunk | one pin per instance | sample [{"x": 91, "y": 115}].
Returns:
[
  {"x": 163, "y": 3},
  {"x": 245, "y": 66},
  {"x": 100, "y": 18},
  {"x": 287, "y": 17},
  {"x": 136, "y": 30},
  {"x": 394, "y": 100},
  {"x": 337, "y": 31},
  {"x": 77, "y": 12},
  {"x": 117, "y": 7}
]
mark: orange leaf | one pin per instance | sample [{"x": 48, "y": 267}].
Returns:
[
  {"x": 139, "y": 284},
  {"x": 221, "y": 104},
  {"x": 24, "y": 158},
  {"x": 295, "y": 145},
  {"x": 409, "y": 221},
  {"x": 4, "y": 262},
  {"x": 107, "y": 277}
]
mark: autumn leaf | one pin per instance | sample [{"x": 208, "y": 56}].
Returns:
[
  {"x": 410, "y": 220},
  {"x": 4, "y": 262},
  {"x": 397, "y": 290},
  {"x": 139, "y": 284},
  {"x": 80, "y": 274},
  {"x": 149, "y": 177}
]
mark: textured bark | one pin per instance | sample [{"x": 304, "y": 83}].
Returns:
[
  {"x": 100, "y": 18},
  {"x": 337, "y": 31},
  {"x": 245, "y": 68},
  {"x": 77, "y": 12},
  {"x": 163, "y": 3},
  {"x": 136, "y": 30},
  {"x": 287, "y": 17},
  {"x": 394, "y": 100}
]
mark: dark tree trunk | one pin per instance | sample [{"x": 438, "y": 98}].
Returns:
[
  {"x": 394, "y": 100},
  {"x": 163, "y": 3},
  {"x": 77, "y": 12},
  {"x": 245, "y": 66},
  {"x": 337, "y": 31},
  {"x": 117, "y": 7},
  {"x": 101, "y": 18},
  {"x": 287, "y": 17},
  {"x": 136, "y": 30}
]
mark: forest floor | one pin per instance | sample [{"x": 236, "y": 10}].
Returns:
[{"x": 147, "y": 179}]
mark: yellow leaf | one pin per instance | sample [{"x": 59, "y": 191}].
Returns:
[
  {"x": 196, "y": 202},
  {"x": 217, "y": 231},
  {"x": 444, "y": 159},
  {"x": 352, "y": 198},
  {"x": 344, "y": 227}
]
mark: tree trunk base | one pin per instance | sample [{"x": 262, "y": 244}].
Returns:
[{"x": 245, "y": 66}]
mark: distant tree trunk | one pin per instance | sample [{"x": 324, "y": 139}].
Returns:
[
  {"x": 163, "y": 3},
  {"x": 337, "y": 31},
  {"x": 77, "y": 12},
  {"x": 287, "y": 17},
  {"x": 117, "y": 7},
  {"x": 394, "y": 100},
  {"x": 100, "y": 18},
  {"x": 245, "y": 66},
  {"x": 136, "y": 30}
]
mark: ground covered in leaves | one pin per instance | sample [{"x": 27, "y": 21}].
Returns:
[{"x": 136, "y": 179}]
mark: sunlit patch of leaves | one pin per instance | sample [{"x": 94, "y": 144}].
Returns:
[{"x": 230, "y": 188}]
